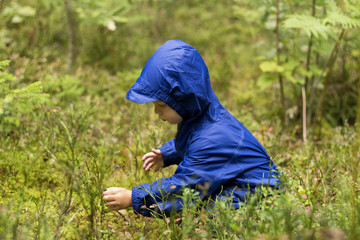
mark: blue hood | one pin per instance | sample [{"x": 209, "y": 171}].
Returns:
[{"x": 177, "y": 75}]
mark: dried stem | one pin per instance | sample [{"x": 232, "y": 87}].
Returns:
[{"x": 303, "y": 93}]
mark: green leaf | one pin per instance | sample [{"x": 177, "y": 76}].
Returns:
[
  {"x": 271, "y": 66},
  {"x": 288, "y": 75},
  {"x": 301, "y": 190},
  {"x": 4, "y": 64},
  {"x": 27, "y": 11},
  {"x": 16, "y": 19},
  {"x": 120, "y": 19},
  {"x": 117, "y": 10},
  {"x": 265, "y": 80},
  {"x": 17, "y": 13},
  {"x": 355, "y": 53},
  {"x": 291, "y": 65}
]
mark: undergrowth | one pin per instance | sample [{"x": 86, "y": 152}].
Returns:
[{"x": 57, "y": 159}]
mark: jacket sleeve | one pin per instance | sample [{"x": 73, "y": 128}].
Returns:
[
  {"x": 203, "y": 168},
  {"x": 169, "y": 153}
]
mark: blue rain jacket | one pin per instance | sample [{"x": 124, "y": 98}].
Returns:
[{"x": 212, "y": 148}]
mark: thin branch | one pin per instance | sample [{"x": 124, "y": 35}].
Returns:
[
  {"x": 282, "y": 96},
  {"x": 308, "y": 57},
  {"x": 305, "y": 86},
  {"x": 48, "y": 151}
]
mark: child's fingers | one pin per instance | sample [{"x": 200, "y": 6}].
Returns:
[
  {"x": 145, "y": 156},
  {"x": 109, "y": 198},
  {"x": 148, "y": 155},
  {"x": 147, "y": 161},
  {"x": 112, "y": 190},
  {"x": 149, "y": 166},
  {"x": 108, "y": 191},
  {"x": 112, "y": 203},
  {"x": 156, "y": 151}
]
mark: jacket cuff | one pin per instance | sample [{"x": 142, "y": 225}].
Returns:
[
  {"x": 143, "y": 204},
  {"x": 137, "y": 200},
  {"x": 166, "y": 150}
]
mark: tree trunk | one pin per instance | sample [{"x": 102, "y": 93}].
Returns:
[
  {"x": 72, "y": 37},
  {"x": 282, "y": 96}
]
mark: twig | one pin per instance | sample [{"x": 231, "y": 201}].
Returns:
[
  {"x": 48, "y": 151},
  {"x": 123, "y": 217},
  {"x": 68, "y": 222}
]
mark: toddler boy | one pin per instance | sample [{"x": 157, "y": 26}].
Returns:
[{"x": 211, "y": 148}]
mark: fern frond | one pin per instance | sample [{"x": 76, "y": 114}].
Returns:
[
  {"x": 309, "y": 24},
  {"x": 338, "y": 18},
  {"x": 353, "y": 7}
]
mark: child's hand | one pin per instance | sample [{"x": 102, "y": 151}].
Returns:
[
  {"x": 117, "y": 198},
  {"x": 153, "y": 158}
]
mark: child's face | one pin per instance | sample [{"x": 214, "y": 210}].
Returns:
[{"x": 166, "y": 113}]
